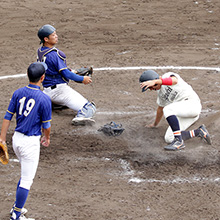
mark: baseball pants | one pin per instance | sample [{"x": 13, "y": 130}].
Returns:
[
  {"x": 187, "y": 112},
  {"x": 66, "y": 96},
  {"x": 27, "y": 149}
]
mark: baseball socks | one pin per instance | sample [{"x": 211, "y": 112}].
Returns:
[
  {"x": 177, "y": 143},
  {"x": 201, "y": 132},
  {"x": 174, "y": 124},
  {"x": 21, "y": 197},
  {"x": 190, "y": 134}
]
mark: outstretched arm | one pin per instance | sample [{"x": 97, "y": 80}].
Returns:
[
  {"x": 158, "y": 118},
  {"x": 75, "y": 77}
]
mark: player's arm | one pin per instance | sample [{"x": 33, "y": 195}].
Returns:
[
  {"x": 158, "y": 118},
  {"x": 7, "y": 119},
  {"x": 46, "y": 122},
  {"x": 168, "y": 81},
  {"x": 46, "y": 128},
  {"x": 45, "y": 140},
  {"x": 75, "y": 77},
  {"x": 5, "y": 126}
]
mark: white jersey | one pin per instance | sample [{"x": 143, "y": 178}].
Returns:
[{"x": 175, "y": 93}]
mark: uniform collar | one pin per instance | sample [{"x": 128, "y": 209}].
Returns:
[{"x": 33, "y": 86}]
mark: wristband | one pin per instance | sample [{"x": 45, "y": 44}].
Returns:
[{"x": 167, "y": 81}]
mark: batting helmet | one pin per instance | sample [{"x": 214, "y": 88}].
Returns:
[
  {"x": 148, "y": 75},
  {"x": 45, "y": 31}
]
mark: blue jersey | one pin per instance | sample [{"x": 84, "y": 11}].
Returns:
[
  {"x": 33, "y": 109},
  {"x": 56, "y": 62}
]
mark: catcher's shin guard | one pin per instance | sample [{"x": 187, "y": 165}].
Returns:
[
  {"x": 87, "y": 111},
  {"x": 84, "y": 115}
]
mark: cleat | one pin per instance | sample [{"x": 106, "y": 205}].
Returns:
[
  {"x": 83, "y": 121},
  {"x": 23, "y": 210},
  {"x": 22, "y": 217},
  {"x": 175, "y": 145},
  {"x": 204, "y": 134}
]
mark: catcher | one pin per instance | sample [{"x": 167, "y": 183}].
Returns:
[
  {"x": 33, "y": 115},
  {"x": 58, "y": 75},
  {"x": 179, "y": 104}
]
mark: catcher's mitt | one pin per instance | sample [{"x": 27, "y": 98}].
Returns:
[
  {"x": 85, "y": 71},
  {"x": 112, "y": 129},
  {"x": 4, "y": 158}
]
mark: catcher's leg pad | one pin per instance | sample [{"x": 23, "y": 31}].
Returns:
[
  {"x": 87, "y": 111},
  {"x": 84, "y": 115}
]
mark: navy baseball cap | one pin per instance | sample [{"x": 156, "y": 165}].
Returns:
[{"x": 36, "y": 70}]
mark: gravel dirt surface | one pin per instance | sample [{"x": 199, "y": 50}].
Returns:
[{"x": 85, "y": 175}]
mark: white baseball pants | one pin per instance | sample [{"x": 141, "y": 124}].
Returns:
[
  {"x": 27, "y": 149},
  {"x": 187, "y": 112}
]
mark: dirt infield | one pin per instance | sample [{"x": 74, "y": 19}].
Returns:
[{"x": 85, "y": 175}]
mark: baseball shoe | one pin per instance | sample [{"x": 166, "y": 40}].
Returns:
[
  {"x": 83, "y": 121},
  {"x": 204, "y": 134},
  {"x": 23, "y": 210},
  {"x": 175, "y": 145},
  {"x": 22, "y": 217}
]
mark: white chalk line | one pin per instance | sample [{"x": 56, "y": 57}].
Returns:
[
  {"x": 125, "y": 165},
  {"x": 128, "y": 171},
  {"x": 135, "y": 68},
  {"x": 122, "y": 113},
  {"x": 177, "y": 180},
  {"x": 160, "y": 67}
]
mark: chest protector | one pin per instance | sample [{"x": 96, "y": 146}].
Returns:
[
  {"x": 42, "y": 57},
  {"x": 42, "y": 53}
]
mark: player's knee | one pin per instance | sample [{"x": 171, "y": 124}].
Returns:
[
  {"x": 26, "y": 184},
  {"x": 169, "y": 138}
]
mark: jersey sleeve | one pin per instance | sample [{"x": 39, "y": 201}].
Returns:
[
  {"x": 47, "y": 110},
  {"x": 72, "y": 76}
]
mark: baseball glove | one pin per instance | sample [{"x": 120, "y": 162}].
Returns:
[
  {"x": 4, "y": 158},
  {"x": 85, "y": 71},
  {"x": 112, "y": 129}
]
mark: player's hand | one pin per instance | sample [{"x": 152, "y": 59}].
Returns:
[
  {"x": 87, "y": 80},
  {"x": 147, "y": 84},
  {"x": 151, "y": 125},
  {"x": 45, "y": 142},
  {"x": 2, "y": 141}
]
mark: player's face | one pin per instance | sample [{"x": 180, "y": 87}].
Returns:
[
  {"x": 52, "y": 39},
  {"x": 155, "y": 87}
]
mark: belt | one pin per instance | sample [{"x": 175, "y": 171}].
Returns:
[{"x": 53, "y": 87}]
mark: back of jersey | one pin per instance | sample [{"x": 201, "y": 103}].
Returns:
[{"x": 32, "y": 108}]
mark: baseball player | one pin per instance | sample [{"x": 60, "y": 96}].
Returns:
[
  {"x": 179, "y": 104},
  {"x": 33, "y": 113},
  {"x": 57, "y": 78}
]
